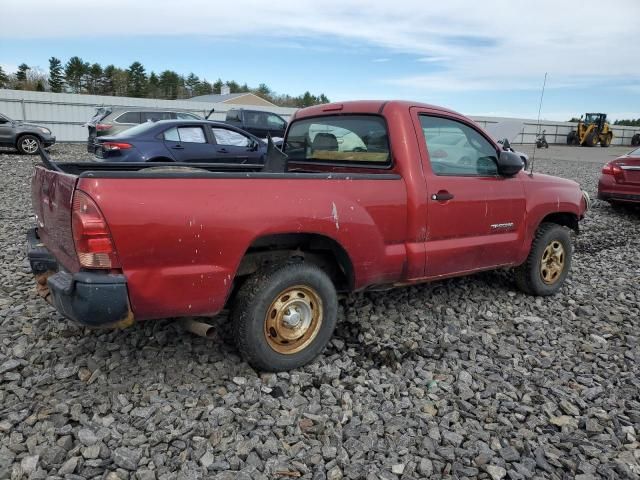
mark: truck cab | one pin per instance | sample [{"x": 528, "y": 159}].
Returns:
[{"x": 259, "y": 123}]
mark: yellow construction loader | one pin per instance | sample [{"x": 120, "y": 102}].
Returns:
[{"x": 593, "y": 130}]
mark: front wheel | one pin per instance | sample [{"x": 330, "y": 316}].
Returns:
[
  {"x": 28, "y": 145},
  {"x": 283, "y": 317},
  {"x": 548, "y": 263}
]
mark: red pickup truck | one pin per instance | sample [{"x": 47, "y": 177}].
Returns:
[{"x": 373, "y": 194}]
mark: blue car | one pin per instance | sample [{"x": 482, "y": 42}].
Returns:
[{"x": 182, "y": 141}]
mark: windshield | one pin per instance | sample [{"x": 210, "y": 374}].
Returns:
[
  {"x": 4, "y": 116},
  {"x": 592, "y": 118},
  {"x": 634, "y": 153},
  {"x": 141, "y": 128}
]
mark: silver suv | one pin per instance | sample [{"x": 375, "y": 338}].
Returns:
[
  {"x": 26, "y": 137},
  {"x": 111, "y": 120}
]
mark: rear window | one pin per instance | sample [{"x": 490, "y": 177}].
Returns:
[
  {"x": 357, "y": 139},
  {"x": 141, "y": 128},
  {"x": 129, "y": 117}
]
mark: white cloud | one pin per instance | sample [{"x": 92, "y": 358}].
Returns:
[
  {"x": 499, "y": 44},
  {"x": 381, "y": 60}
]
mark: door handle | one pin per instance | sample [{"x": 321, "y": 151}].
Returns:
[
  {"x": 178, "y": 147},
  {"x": 442, "y": 196},
  {"x": 223, "y": 150}
]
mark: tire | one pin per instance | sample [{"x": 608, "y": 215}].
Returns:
[
  {"x": 635, "y": 140},
  {"x": 263, "y": 337},
  {"x": 607, "y": 141},
  {"x": 571, "y": 137},
  {"x": 537, "y": 278},
  {"x": 592, "y": 139},
  {"x": 28, "y": 145}
]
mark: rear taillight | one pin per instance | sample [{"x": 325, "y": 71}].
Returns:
[
  {"x": 91, "y": 235},
  {"x": 103, "y": 127},
  {"x": 611, "y": 169},
  {"x": 110, "y": 146}
]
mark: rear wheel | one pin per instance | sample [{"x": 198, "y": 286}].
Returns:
[
  {"x": 606, "y": 141},
  {"x": 548, "y": 263},
  {"x": 635, "y": 140},
  {"x": 284, "y": 316},
  {"x": 28, "y": 144},
  {"x": 571, "y": 137}
]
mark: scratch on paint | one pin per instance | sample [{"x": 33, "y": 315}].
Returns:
[{"x": 334, "y": 215}]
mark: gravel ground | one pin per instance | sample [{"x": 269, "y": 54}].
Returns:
[{"x": 466, "y": 378}]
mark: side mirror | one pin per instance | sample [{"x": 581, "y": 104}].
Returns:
[
  {"x": 509, "y": 163},
  {"x": 506, "y": 144}
]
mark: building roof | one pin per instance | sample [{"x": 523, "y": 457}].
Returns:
[{"x": 229, "y": 98}]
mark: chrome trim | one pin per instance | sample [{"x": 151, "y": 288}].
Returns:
[
  {"x": 587, "y": 199},
  {"x": 629, "y": 167}
]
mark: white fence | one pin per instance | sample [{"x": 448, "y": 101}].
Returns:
[
  {"x": 66, "y": 113},
  {"x": 525, "y": 131}
]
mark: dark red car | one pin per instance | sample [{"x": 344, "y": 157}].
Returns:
[
  {"x": 373, "y": 195},
  {"x": 620, "y": 179}
]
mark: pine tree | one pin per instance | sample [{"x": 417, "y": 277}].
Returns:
[
  {"x": 95, "y": 79},
  {"x": 56, "y": 77},
  {"x": 75, "y": 72},
  {"x": 169, "y": 84},
  {"x": 153, "y": 90},
  {"x": 4, "y": 78},
  {"x": 217, "y": 86},
  {"x": 21, "y": 74},
  {"x": 40, "y": 86},
  {"x": 191, "y": 83},
  {"x": 137, "y": 83}
]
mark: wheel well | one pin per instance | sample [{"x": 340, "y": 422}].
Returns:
[
  {"x": 20, "y": 135},
  {"x": 317, "y": 249},
  {"x": 565, "y": 219}
]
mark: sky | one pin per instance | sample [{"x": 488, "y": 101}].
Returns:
[{"x": 479, "y": 58}]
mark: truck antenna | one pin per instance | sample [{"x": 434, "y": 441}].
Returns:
[{"x": 533, "y": 157}]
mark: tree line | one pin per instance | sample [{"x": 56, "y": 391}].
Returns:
[{"x": 78, "y": 76}]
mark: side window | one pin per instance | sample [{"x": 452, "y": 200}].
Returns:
[
  {"x": 357, "y": 139},
  {"x": 185, "y": 134},
  {"x": 172, "y": 135},
  {"x": 233, "y": 116},
  {"x": 186, "y": 116},
  {"x": 457, "y": 149},
  {"x": 255, "y": 119},
  {"x": 155, "y": 116},
  {"x": 129, "y": 117},
  {"x": 229, "y": 137},
  {"x": 274, "y": 121}
]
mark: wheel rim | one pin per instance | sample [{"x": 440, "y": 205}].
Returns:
[
  {"x": 552, "y": 262},
  {"x": 29, "y": 145},
  {"x": 293, "y": 319}
]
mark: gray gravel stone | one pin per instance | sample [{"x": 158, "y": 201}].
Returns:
[{"x": 461, "y": 378}]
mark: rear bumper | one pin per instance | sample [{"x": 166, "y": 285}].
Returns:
[
  {"x": 611, "y": 191},
  {"x": 619, "y": 197},
  {"x": 95, "y": 299}
]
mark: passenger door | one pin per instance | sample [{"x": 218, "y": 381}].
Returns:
[
  {"x": 234, "y": 147},
  {"x": 189, "y": 143},
  {"x": 475, "y": 217}
]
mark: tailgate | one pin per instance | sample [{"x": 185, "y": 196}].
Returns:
[{"x": 51, "y": 197}]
